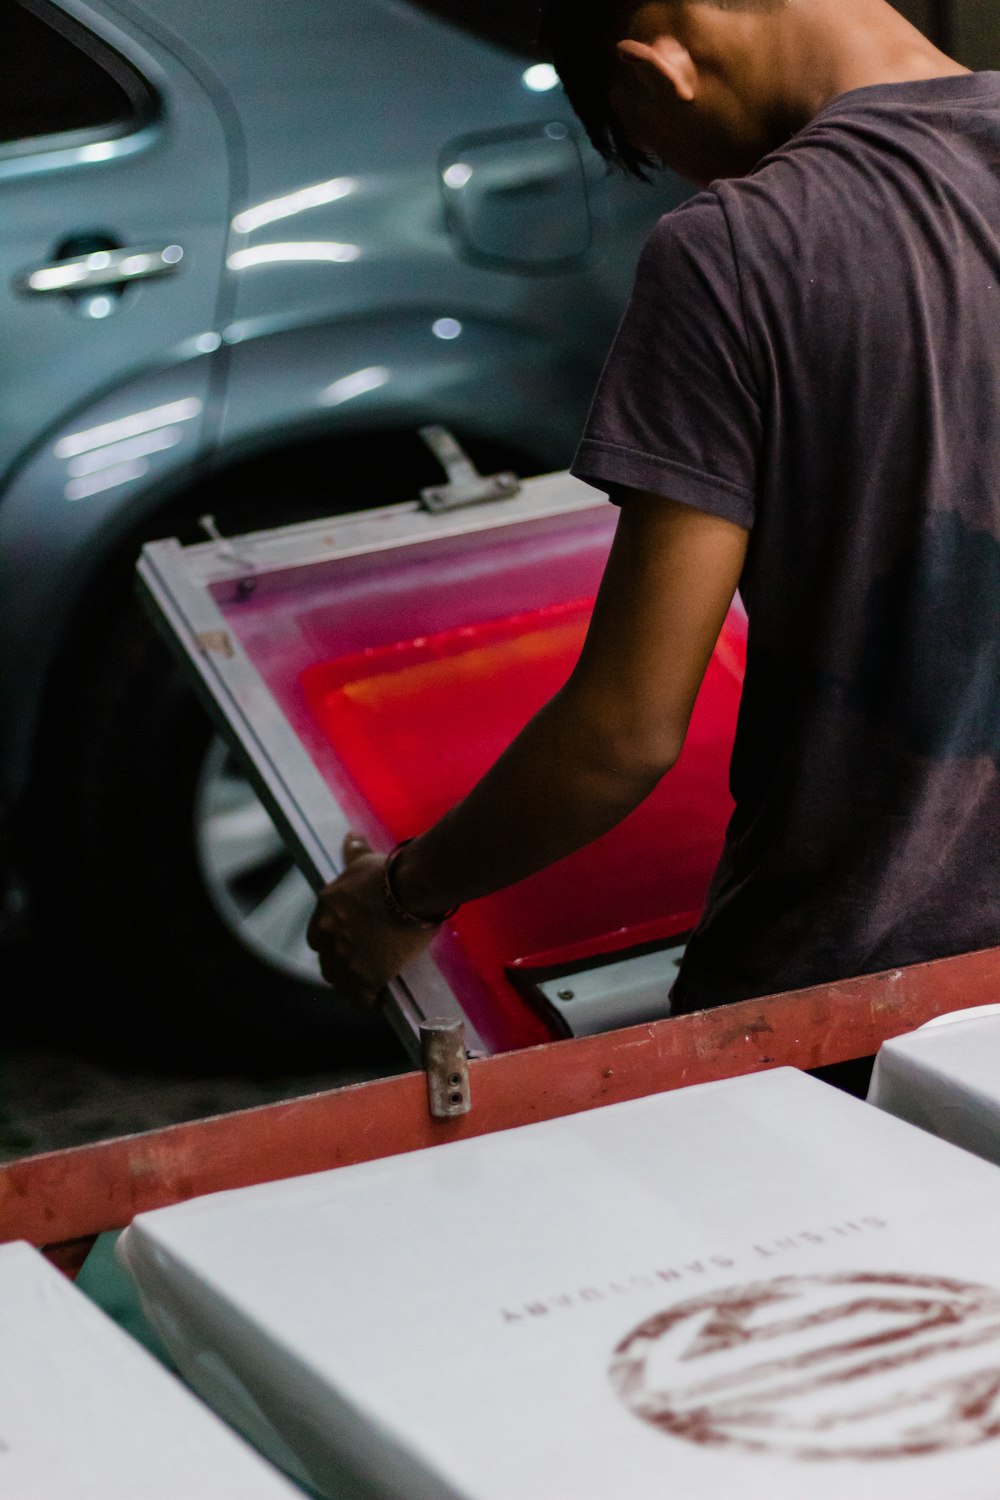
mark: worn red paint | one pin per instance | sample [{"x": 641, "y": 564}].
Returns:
[{"x": 68, "y": 1194}]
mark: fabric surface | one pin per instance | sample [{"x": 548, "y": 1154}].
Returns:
[
  {"x": 89, "y": 1415},
  {"x": 754, "y": 1289},
  {"x": 813, "y": 352}
]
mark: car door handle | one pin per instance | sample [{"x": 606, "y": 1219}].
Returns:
[{"x": 102, "y": 268}]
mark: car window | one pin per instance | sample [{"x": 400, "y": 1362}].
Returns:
[
  {"x": 507, "y": 23},
  {"x": 59, "y": 79}
]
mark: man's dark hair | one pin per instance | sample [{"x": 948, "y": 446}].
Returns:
[{"x": 579, "y": 36}]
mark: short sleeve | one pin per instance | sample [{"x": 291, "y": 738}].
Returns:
[{"x": 677, "y": 410}]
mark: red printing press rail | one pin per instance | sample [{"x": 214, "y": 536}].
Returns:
[{"x": 63, "y": 1199}]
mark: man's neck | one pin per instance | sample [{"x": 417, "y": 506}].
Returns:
[{"x": 855, "y": 44}]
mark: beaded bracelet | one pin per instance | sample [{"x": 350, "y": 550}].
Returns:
[{"x": 426, "y": 924}]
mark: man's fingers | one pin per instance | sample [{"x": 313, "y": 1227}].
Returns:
[
  {"x": 346, "y": 926},
  {"x": 317, "y": 923},
  {"x": 355, "y": 844}
]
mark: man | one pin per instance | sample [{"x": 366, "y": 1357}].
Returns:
[{"x": 803, "y": 400}]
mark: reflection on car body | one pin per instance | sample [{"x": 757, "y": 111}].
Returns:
[{"x": 241, "y": 266}]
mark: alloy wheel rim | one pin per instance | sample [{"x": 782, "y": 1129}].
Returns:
[{"x": 254, "y": 886}]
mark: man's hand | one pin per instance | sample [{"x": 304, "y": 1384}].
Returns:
[{"x": 360, "y": 942}]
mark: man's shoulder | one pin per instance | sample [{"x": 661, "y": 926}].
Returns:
[
  {"x": 697, "y": 219},
  {"x": 689, "y": 241},
  {"x": 733, "y": 215}
]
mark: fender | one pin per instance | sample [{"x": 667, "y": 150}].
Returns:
[{"x": 400, "y": 368}]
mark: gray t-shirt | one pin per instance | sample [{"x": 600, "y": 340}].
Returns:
[{"x": 813, "y": 352}]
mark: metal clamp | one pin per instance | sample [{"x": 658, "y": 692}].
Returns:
[
  {"x": 466, "y": 486},
  {"x": 224, "y": 548},
  {"x": 442, "y": 1046}
]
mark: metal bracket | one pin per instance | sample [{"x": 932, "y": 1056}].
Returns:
[
  {"x": 613, "y": 995},
  {"x": 466, "y": 486},
  {"x": 241, "y": 556},
  {"x": 442, "y": 1046},
  {"x": 219, "y": 641}
]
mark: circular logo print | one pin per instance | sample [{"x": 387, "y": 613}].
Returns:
[{"x": 845, "y": 1366}]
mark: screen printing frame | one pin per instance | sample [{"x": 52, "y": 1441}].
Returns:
[{"x": 177, "y": 584}]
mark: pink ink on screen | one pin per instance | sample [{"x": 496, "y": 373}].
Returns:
[
  {"x": 405, "y": 672},
  {"x": 415, "y": 723}
]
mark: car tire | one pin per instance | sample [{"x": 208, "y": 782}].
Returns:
[{"x": 178, "y": 980}]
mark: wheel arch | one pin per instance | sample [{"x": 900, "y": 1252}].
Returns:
[{"x": 510, "y": 394}]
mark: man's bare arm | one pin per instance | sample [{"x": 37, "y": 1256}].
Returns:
[
  {"x": 581, "y": 765},
  {"x": 601, "y": 745}
]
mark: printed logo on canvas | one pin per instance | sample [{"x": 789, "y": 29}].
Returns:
[{"x": 845, "y": 1366}]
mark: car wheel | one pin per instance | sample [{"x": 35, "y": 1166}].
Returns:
[
  {"x": 259, "y": 894},
  {"x": 186, "y": 899}
]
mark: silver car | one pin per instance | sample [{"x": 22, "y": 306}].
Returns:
[{"x": 247, "y": 253}]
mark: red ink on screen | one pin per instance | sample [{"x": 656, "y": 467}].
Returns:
[
  {"x": 416, "y": 723},
  {"x": 404, "y": 673}
]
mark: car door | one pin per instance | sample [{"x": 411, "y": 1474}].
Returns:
[{"x": 114, "y": 188}]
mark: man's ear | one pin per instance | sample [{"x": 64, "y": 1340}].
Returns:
[{"x": 667, "y": 58}]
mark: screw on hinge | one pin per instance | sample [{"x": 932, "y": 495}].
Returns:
[{"x": 442, "y": 1045}]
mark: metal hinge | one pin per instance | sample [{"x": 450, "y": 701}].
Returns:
[
  {"x": 466, "y": 486},
  {"x": 442, "y": 1046}
]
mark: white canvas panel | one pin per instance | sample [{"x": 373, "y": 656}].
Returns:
[
  {"x": 87, "y": 1414},
  {"x": 945, "y": 1077},
  {"x": 759, "y": 1289}
]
